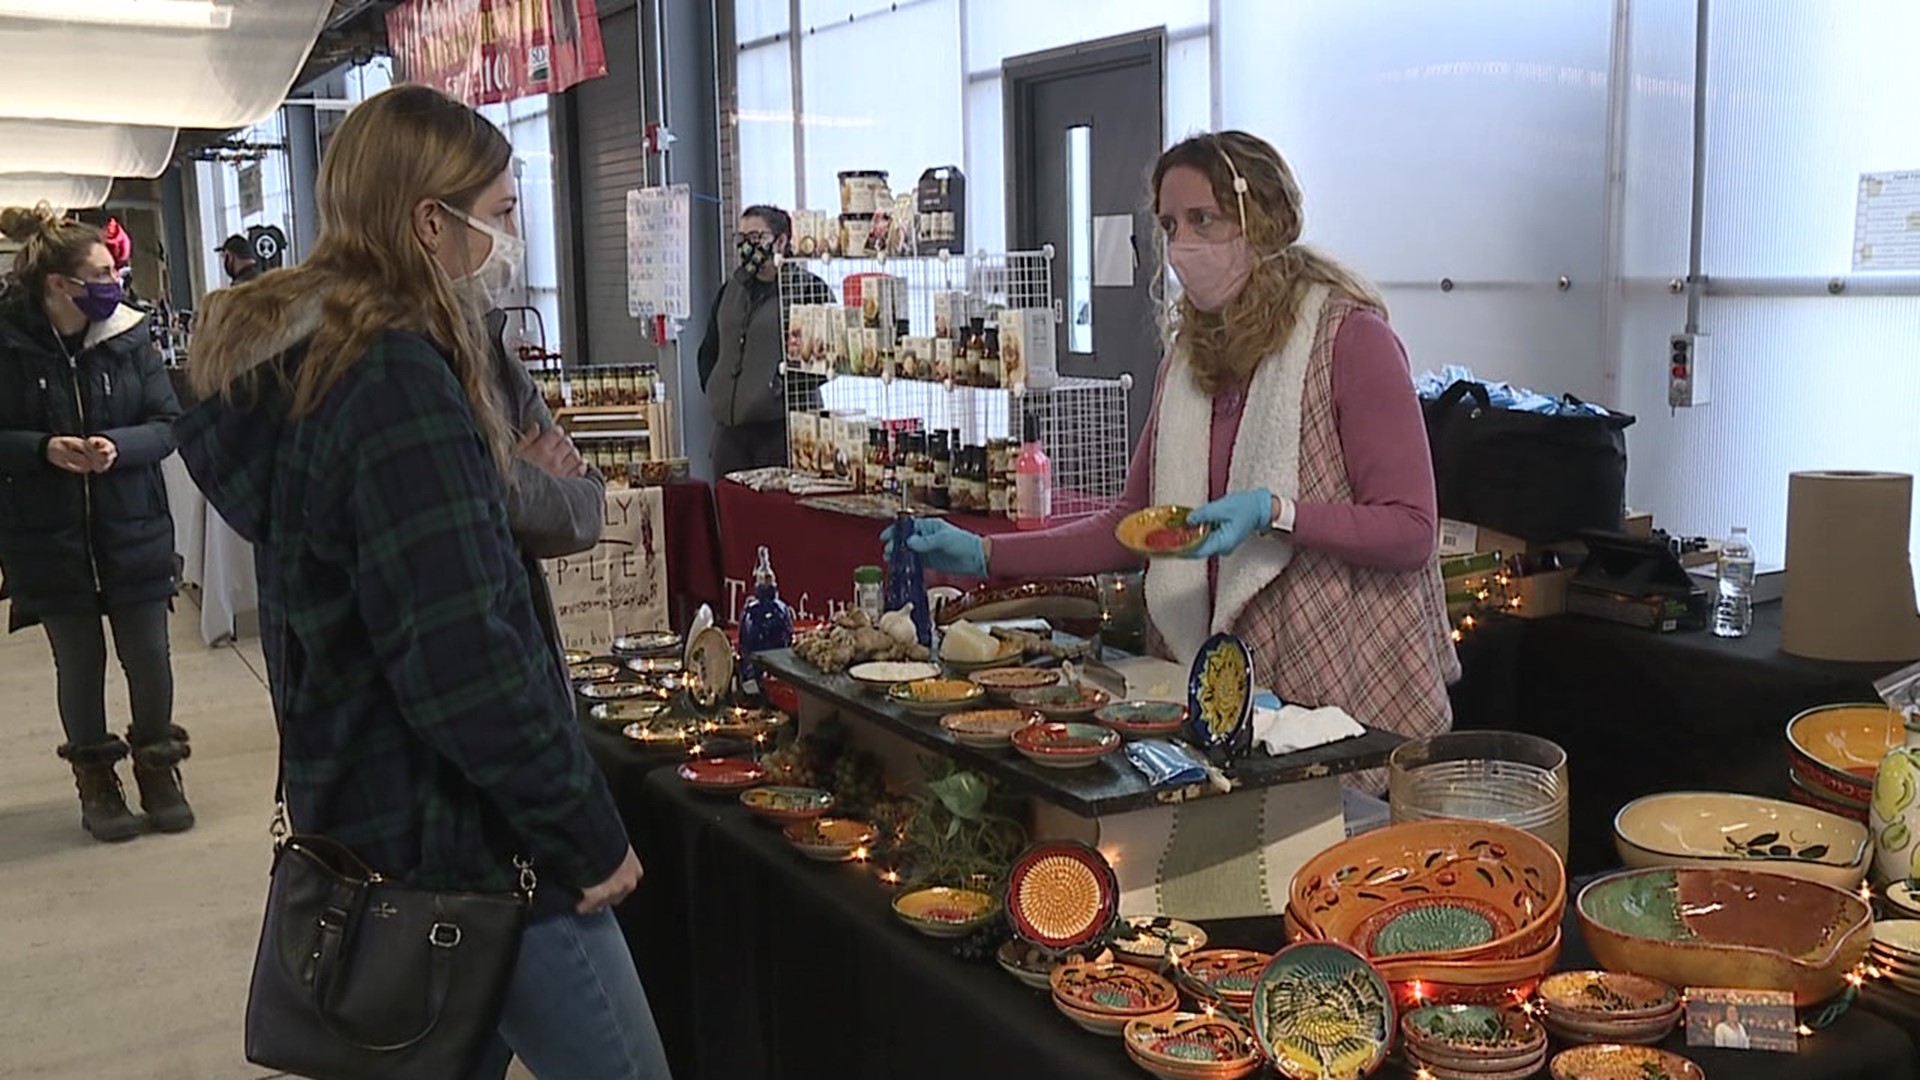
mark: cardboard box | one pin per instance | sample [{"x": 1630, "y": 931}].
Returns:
[
  {"x": 949, "y": 314},
  {"x": 803, "y": 437},
  {"x": 943, "y": 354},
  {"x": 1541, "y": 595},
  {"x": 1027, "y": 357},
  {"x": 835, "y": 318}
]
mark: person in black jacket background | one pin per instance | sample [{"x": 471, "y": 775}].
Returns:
[
  {"x": 86, "y": 415},
  {"x": 746, "y": 341}
]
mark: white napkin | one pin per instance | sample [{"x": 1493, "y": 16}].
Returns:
[{"x": 1290, "y": 729}]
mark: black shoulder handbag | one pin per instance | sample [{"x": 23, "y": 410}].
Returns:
[{"x": 362, "y": 978}]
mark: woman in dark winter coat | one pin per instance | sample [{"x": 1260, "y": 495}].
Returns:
[{"x": 86, "y": 413}]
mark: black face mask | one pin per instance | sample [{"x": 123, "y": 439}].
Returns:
[{"x": 754, "y": 256}]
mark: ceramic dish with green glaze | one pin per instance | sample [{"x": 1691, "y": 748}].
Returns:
[{"x": 1321, "y": 1012}]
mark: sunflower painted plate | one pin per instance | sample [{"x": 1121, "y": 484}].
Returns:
[
  {"x": 1220, "y": 692},
  {"x": 1062, "y": 895},
  {"x": 1322, "y": 1012}
]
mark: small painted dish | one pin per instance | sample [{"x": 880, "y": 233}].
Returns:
[
  {"x": 1146, "y": 940},
  {"x": 656, "y": 665},
  {"x": 1179, "y": 1046},
  {"x": 666, "y": 733},
  {"x": 1160, "y": 532},
  {"x": 1230, "y": 973},
  {"x": 985, "y": 729},
  {"x": 786, "y": 805},
  {"x": 616, "y": 691},
  {"x": 941, "y": 912},
  {"x": 1473, "y": 1038},
  {"x": 577, "y": 656},
  {"x": 1143, "y": 719},
  {"x": 1220, "y": 692},
  {"x": 1065, "y": 746},
  {"x": 1011, "y": 652},
  {"x": 1030, "y": 964},
  {"x": 593, "y": 671},
  {"x": 1608, "y": 995},
  {"x": 628, "y": 712},
  {"x": 830, "y": 839},
  {"x": 744, "y": 723},
  {"x": 934, "y": 697},
  {"x": 1611, "y": 1062},
  {"x": 1321, "y": 1011},
  {"x": 648, "y": 643},
  {"x": 1063, "y": 702},
  {"x": 722, "y": 776},
  {"x": 1003, "y": 683},
  {"x": 1903, "y": 900},
  {"x": 1112, "y": 992}
]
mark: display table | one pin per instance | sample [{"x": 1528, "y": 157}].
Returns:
[
  {"x": 213, "y": 558},
  {"x": 1639, "y": 712},
  {"x": 761, "y": 963}
]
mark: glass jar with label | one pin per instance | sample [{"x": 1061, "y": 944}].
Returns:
[
  {"x": 940, "y": 462},
  {"x": 991, "y": 374},
  {"x": 996, "y": 477}
]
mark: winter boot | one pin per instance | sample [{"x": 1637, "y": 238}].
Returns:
[
  {"x": 156, "y": 769},
  {"x": 103, "y": 805}
]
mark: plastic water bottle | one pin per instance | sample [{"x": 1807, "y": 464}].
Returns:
[{"x": 1733, "y": 597}]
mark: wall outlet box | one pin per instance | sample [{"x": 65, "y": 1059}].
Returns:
[{"x": 1690, "y": 371}]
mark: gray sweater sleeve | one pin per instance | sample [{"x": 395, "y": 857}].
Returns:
[{"x": 550, "y": 516}]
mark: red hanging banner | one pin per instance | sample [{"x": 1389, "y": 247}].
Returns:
[{"x": 488, "y": 51}]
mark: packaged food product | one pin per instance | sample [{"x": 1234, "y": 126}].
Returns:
[
  {"x": 1027, "y": 357},
  {"x": 860, "y": 190}
]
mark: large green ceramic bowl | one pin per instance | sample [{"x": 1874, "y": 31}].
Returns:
[{"x": 1737, "y": 928}]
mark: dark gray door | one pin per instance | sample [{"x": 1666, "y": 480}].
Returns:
[{"x": 1084, "y": 128}]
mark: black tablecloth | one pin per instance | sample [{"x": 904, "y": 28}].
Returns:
[
  {"x": 1639, "y": 712},
  {"x": 762, "y": 964}
]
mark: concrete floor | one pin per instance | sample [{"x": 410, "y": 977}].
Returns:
[{"x": 130, "y": 961}]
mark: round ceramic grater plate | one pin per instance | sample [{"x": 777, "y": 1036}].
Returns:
[{"x": 1062, "y": 895}]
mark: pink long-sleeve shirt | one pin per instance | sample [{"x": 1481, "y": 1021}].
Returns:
[{"x": 1392, "y": 523}]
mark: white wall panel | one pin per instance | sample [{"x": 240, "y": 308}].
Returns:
[
  {"x": 766, "y": 126},
  {"x": 998, "y": 29}
]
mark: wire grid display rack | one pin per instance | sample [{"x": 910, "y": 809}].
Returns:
[{"x": 887, "y": 351}]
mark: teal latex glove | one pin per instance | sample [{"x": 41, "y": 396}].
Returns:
[
  {"x": 1234, "y": 518},
  {"x": 944, "y": 547}
]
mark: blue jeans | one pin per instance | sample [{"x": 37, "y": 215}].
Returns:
[{"x": 575, "y": 1009}]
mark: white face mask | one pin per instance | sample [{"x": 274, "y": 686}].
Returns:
[{"x": 497, "y": 279}]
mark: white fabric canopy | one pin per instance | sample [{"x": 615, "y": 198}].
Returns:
[
  {"x": 60, "y": 192},
  {"x": 62, "y": 146},
  {"x": 162, "y": 63}
]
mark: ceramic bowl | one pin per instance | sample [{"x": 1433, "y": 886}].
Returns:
[
  {"x": 591, "y": 671},
  {"x": 1062, "y": 702},
  {"x": 1003, "y": 683},
  {"x": 1898, "y": 938},
  {"x": 1434, "y": 890},
  {"x": 663, "y": 733},
  {"x": 1145, "y": 940},
  {"x": 1525, "y": 1069},
  {"x": 1473, "y": 1038},
  {"x": 1034, "y": 966},
  {"x": 1837, "y": 748},
  {"x": 577, "y": 656},
  {"x": 1319, "y": 1009},
  {"x": 880, "y": 676},
  {"x": 784, "y": 805},
  {"x": 1902, "y": 900},
  {"x": 744, "y": 723},
  {"x": 722, "y": 776},
  {"x": 1159, "y": 532},
  {"x": 1103, "y": 997},
  {"x": 1231, "y": 973},
  {"x": 830, "y": 839},
  {"x": 1714, "y": 828},
  {"x": 657, "y": 665},
  {"x": 940, "y": 912},
  {"x": 1010, "y": 654},
  {"x": 1637, "y": 1033},
  {"x": 616, "y": 691},
  {"x": 1727, "y": 927},
  {"x": 985, "y": 729},
  {"x": 1799, "y": 792},
  {"x": 1143, "y": 719},
  {"x": 648, "y": 643},
  {"x": 1607, "y": 995},
  {"x": 1065, "y": 746},
  {"x": 627, "y": 712},
  {"x": 934, "y": 697},
  {"x": 1609, "y": 1062},
  {"x": 1186, "y": 1045}
]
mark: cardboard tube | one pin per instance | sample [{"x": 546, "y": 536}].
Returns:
[{"x": 1849, "y": 593}]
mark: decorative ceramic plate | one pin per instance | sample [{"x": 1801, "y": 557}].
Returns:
[
  {"x": 628, "y": 712},
  {"x": 1610, "y": 994},
  {"x": 1003, "y": 682},
  {"x": 1231, "y": 973},
  {"x": 1113, "y": 990},
  {"x": 1065, "y": 746},
  {"x": 1193, "y": 1040},
  {"x": 1900, "y": 937},
  {"x": 931, "y": 697},
  {"x": 1143, "y": 719},
  {"x": 616, "y": 691},
  {"x": 1063, "y": 702},
  {"x": 985, "y": 729},
  {"x": 1903, "y": 899},
  {"x": 1443, "y": 1034},
  {"x": 744, "y": 723},
  {"x": 1159, "y": 531},
  {"x": 1062, "y": 895},
  {"x": 1220, "y": 691},
  {"x": 657, "y": 665},
  {"x": 1147, "y": 939},
  {"x": 1623, "y": 1063},
  {"x": 661, "y": 733},
  {"x": 577, "y": 656},
  {"x": 722, "y": 776},
  {"x": 787, "y": 804},
  {"x": 1321, "y": 1011},
  {"x": 592, "y": 671},
  {"x": 882, "y": 675},
  {"x": 941, "y": 912},
  {"x": 648, "y": 643},
  {"x": 830, "y": 839},
  {"x": 709, "y": 667}
]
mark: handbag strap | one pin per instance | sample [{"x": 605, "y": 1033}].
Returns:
[
  {"x": 331, "y": 939},
  {"x": 1458, "y": 392}
]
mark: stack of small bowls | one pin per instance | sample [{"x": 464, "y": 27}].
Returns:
[
  {"x": 1473, "y": 1042},
  {"x": 1104, "y": 998},
  {"x": 1192, "y": 1046},
  {"x": 1896, "y": 952},
  {"x": 1833, "y": 753},
  {"x": 1609, "y": 1007}
]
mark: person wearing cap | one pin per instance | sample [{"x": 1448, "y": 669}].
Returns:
[{"x": 237, "y": 259}]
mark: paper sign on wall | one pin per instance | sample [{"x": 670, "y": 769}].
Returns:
[
  {"x": 488, "y": 51},
  {"x": 620, "y": 586},
  {"x": 1886, "y": 222},
  {"x": 658, "y": 279}
]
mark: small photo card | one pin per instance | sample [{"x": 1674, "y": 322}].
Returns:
[{"x": 1742, "y": 1019}]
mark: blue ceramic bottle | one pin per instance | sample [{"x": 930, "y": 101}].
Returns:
[
  {"x": 907, "y": 581},
  {"x": 766, "y": 624}
]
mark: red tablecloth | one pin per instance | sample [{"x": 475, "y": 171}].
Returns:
[
  {"x": 815, "y": 552},
  {"x": 693, "y": 551}
]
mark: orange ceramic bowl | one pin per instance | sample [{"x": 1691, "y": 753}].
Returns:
[
  {"x": 1836, "y": 749},
  {"x": 1434, "y": 890}
]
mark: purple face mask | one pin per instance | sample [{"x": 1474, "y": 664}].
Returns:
[{"x": 102, "y": 299}]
